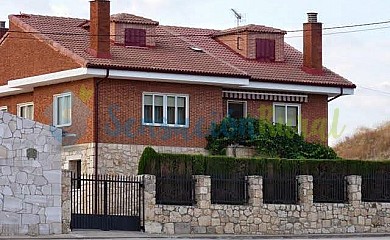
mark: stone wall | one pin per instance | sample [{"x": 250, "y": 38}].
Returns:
[
  {"x": 30, "y": 177},
  {"x": 115, "y": 159},
  {"x": 258, "y": 218}
]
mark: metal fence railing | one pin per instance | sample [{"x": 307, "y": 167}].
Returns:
[
  {"x": 280, "y": 190},
  {"x": 329, "y": 188},
  {"x": 175, "y": 190},
  {"x": 229, "y": 189},
  {"x": 376, "y": 187}
]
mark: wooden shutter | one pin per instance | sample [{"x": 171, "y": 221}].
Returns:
[
  {"x": 265, "y": 50},
  {"x": 135, "y": 37}
]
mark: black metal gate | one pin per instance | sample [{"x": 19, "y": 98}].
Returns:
[{"x": 107, "y": 202}]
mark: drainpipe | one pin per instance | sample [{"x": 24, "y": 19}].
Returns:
[
  {"x": 338, "y": 95},
  {"x": 96, "y": 126}
]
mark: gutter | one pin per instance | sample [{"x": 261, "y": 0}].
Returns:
[
  {"x": 96, "y": 136},
  {"x": 338, "y": 95},
  {"x": 96, "y": 115}
]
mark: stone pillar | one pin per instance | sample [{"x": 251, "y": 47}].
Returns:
[
  {"x": 305, "y": 190},
  {"x": 66, "y": 200},
  {"x": 255, "y": 190},
  {"x": 151, "y": 226},
  {"x": 203, "y": 191},
  {"x": 354, "y": 189},
  {"x": 150, "y": 196}
]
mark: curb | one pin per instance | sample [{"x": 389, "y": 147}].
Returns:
[{"x": 138, "y": 235}]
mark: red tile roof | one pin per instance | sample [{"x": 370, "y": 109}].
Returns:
[
  {"x": 250, "y": 28},
  {"x": 130, "y": 18},
  {"x": 173, "y": 53}
]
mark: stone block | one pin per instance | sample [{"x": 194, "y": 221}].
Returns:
[
  {"x": 53, "y": 214},
  {"x": 204, "y": 221},
  {"x": 199, "y": 230},
  {"x": 12, "y": 204},
  {"x": 44, "y": 229},
  {"x": 182, "y": 228},
  {"x": 56, "y": 228},
  {"x": 53, "y": 176},
  {"x": 153, "y": 227},
  {"x": 10, "y": 218},
  {"x": 30, "y": 219},
  {"x": 229, "y": 228}
]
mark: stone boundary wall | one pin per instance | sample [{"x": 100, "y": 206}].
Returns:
[
  {"x": 258, "y": 218},
  {"x": 30, "y": 177}
]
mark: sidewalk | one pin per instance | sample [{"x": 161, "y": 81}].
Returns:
[{"x": 139, "y": 235}]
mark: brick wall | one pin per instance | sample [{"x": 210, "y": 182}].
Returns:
[
  {"x": 12, "y": 101},
  {"x": 231, "y": 42},
  {"x": 123, "y": 125},
  {"x": 82, "y": 109},
  {"x": 34, "y": 57},
  {"x": 279, "y": 45},
  {"x": 315, "y": 119}
]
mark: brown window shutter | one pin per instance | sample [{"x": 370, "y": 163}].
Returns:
[
  {"x": 271, "y": 50},
  {"x": 128, "y": 36},
  {"x": 142, "y": 37},
  {"x": 135, "y": 37},
  {"x": 265, "y": 50}
]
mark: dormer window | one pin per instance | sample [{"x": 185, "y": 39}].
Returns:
[
  {"x": 135, "y": 37},
  {"x": 265, "y": 50}
]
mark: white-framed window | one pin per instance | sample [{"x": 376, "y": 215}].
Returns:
[
  {"x": 288, "y": 114},
  {"x": 236, "y": 109},
  {"x": 164, "y": 109},
  {"x": 62, "y": 110},
  {"x": 26, "y": 110},
  {"x": 4, "y": 108}
]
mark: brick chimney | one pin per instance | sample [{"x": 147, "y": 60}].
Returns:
[
  {"x": 3, "y": 29},
  {"x": 312, "y": 45},
  {"x": 100, "y": 28}
]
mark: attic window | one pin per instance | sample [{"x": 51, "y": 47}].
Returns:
[
  {"x": 265, "y": 50},
  {"x": 135, "y": 37}
]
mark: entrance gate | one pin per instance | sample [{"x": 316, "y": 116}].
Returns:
[{"x": 107, "y": 202}]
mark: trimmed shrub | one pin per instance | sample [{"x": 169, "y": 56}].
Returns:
[{"x": 164, "y": 164}]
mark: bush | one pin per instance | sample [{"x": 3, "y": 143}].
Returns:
[{"x": 271, "y": 140}]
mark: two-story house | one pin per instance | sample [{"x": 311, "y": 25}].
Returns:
[{"x": 123, "y": 82}]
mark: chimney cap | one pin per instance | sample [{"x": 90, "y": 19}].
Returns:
[
  {"x": 2, "y": 24},
  {"x": 312, "y": 17}
]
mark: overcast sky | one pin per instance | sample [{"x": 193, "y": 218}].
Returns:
[{"x": 362, "y": 57}]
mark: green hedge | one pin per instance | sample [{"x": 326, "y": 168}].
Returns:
[{"x": 179, "y": 164}]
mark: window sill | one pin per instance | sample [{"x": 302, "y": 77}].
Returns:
[
  {"x": 165, "y": 125},
  {"x": 63, "y": 125}
]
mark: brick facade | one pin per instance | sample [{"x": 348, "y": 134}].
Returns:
[
  {"x": 34, "y": 57},
  {"x": 120, "y": 113}
]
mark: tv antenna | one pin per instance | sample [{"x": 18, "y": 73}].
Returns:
[{"x": 238, "y": 16}]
